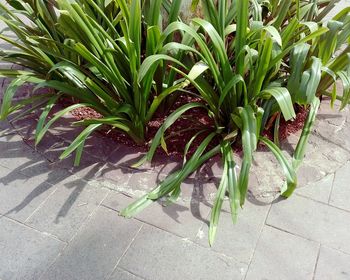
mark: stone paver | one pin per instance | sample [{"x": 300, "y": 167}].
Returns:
[
  {"x": 14, "y": 154},
  {"x": 81, "y": 210},
  {"x": 280, "y": 255},
  {"x": 96, "y": 249},
  {"x": 312, "y": 220},
  {"x": 120, "y": 274},
  {"x": 20, "y": 195},
  {"x": 341, "y": 191},
  {"x": 237, "y": 241},
  {"x": 319, "y": 190},
  {"x": 25, "y": 253},
  {"x": 332, "y": 264},
  {"x": 182, "y": 218},
  {"x": 67, "y": 208},
  {"x": 156, "y": 254},
  {"x": 116, "y": 177}
]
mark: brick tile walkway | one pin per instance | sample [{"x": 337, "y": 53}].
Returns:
[{"x": 56, "y": 223}]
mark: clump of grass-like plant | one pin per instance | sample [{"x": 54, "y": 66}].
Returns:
[
  {"x": 250, "y": 63},
  {"x": 105, "y": 55},
  {"x": 254, "y": 62}
]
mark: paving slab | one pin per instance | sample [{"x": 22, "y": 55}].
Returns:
[
  {"x": 332, "y": 264},
  {"x": 145, "y": 181},
  {"x": 199, "y": 188},
  {"x": 96, "y": 249},
  {"x": 319, "y": 190},
  {"x": 21, "y": 195},
  {"x": 14, "y": 153},
  {"x": 5, "y": 128},
  {"x": 116, "y": 177},
  {"x": 312, "y": 220},
  {"x": 280, "y": 255},
  {"x": 25, "y": 253},
  {"x": 237, "y": 240},
  {"x": 67, "y": 208},
  {"x": 340, "y": 196},
  {"x": 88, "y": 169},
  {"x": 100, "y": 146},
  {"x": 120, "y": 274},
  {"x": 156, "y": 254},
  {"x": 43, "y": 171},
  {"x": 51, "y": 147},
  {"x": 125, "y": 156},
  {"x": 181, "y": 218},
  {"x": 25, "y": 126}
]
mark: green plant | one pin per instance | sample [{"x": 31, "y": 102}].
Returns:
[
  {"x": 256, "y": 60},
  {"x": 250, "y": 62},
  {"x": 105, "y": 55}
]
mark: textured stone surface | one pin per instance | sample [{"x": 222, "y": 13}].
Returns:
[
  {"x": 25, "y": 253},
  {"x": 14, "y": 154},
  {"x": 312, "y": 220},
  {"x": 120, "y": 274},
  {"x": 125, "y": 156},
  {"x": 67, "y": 208},
  {"x": 20, "y": 195},
  {"x": 156, "y": 254},
  {"x": 182, "y": 218},
  {"x": 241, "y": 237},
  {"x": 96, "y": 249},
  {"x": 280, "y": 255},
  {"x": 117, "y": 178},
  {"x": 88, "y": 169},
  {"x": 332, "y": 264},
  {"x": 340, "y": 196},
  {"x": 319, "y": 190}
]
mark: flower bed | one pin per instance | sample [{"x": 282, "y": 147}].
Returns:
[{"x": 222, "y": 82}]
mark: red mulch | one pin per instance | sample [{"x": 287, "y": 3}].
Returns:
[
  {"x": 289, "y": 127},
  {"x": 176, "y": 143}
]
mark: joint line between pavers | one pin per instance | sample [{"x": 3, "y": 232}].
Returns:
[
  {"x": 128, "y": 271},
  {"x": 82, "y": 178},
  {"x": 316, "y": 182},
  {"x": 54, "y": 261},
  {"x": 188, "y": 240},
  {"x": 9, "y": 169},
  {"x": 125, "y": 251},
  {"x": 202, "y": 226},
  {"x": 157, "y": 227},
  {"x": 292, "y": 233},
  {"x": 308, "y": 239},
  {"x": 257, "y": 242},
  {"x": 108, "y": 156},
  {"x": 323, "y": 203},
  {"x": 331, "y": 192},
  {"x": 176, "y": 235},
  {"x": 40, "y": 205},
  {"x": 67, "y": 243},
  {"x": 32, "y": 228},
  {"x": 336, "y": 249},
  {"x": 317, "y": 258},
  {"x": 88, "y": 218}
]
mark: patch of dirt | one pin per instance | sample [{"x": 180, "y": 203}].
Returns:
[
  {"x": 288, "y": 127},
  {"x": 182, "y": 131}
]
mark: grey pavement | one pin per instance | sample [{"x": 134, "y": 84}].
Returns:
[{"x": 59, "y": 222}]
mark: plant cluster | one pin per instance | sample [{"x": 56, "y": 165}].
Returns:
[{"x": 250, "y": 62}]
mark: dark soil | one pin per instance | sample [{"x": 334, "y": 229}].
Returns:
[{"x": 184, "y": 129}]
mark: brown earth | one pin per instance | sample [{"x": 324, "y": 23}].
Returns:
[{"x": 183, "y": 129}]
